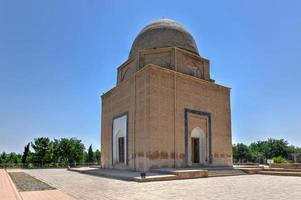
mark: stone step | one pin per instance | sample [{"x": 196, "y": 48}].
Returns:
[
  {"x": 230, "y": 172},
  {"x": 166, "y": 177},
  {"x": 282, "y": 170},
  {"x": 280, "y": 173},
  {"x": 184, "y": 172},
  {"x": 251, "y": 170}
]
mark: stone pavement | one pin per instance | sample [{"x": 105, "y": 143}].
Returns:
[
  {"x": 247, "y": 187},
  {"x": 8, "y": 190},
  {"x": 45, "y": 195}
]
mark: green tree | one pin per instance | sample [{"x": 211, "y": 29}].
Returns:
[
  {"x": 3, "y": 158},
  {"x": 11, "y": 159},
  {"x": 97, "y": 156},
  {"x": 241, "y": 153},
  {"x": 271, "y": 148},
  {"x": 25, "y": 153},
  {"x": 56, "y": 157},
  {"x": 277, "y": 148},
  {"x": 85, "y": 156},
  {"x": 71, "y": 151},
  {"x": 90, "y": 155},
  {"x": 42, "y": 148}
]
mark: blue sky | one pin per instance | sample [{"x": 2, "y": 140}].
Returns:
[{"x": 57, "y": 58}]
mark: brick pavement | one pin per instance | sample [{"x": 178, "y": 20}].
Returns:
[
  {"x": 45, "y": 195},
  {"x": 7, "y": 189},
  {"x": 247, "y": 187}
]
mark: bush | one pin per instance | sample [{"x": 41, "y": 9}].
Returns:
[
  {"x": 279, "y": 159},
  {"x": 30, "y": 166}
]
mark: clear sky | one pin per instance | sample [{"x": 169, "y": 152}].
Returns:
[{"x": 57, "y": 58}]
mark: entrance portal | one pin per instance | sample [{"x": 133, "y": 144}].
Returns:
[
  {"x": 198, "y": 146},
  {"x": 195, "y": 144},
  {"x": 121, "y": 149}
]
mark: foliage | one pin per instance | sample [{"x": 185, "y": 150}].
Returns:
[
  {"x": 279, "y": 159},
  {"x": 70, "y": 151},
  {"x": 97, "y": 156},
  {"x": 90, "y": 158},
  {"x": 263, "y": 150},
  {"x": 241, "y": 153},
  {"x": 47, "y": 153},
  {"x": 25, "y": 153},
  {"x": 42, "y": 148},
  {"x": 10, "y": 158}
]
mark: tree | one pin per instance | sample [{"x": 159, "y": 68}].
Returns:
[
  {"x": 90, "y": 155},
  {"x": 25, "y": 153},
  {"x": 97, "y": 156},
  {"x": 71, "y": 151},
  {"x": 271, "y": 148},
  {"x": 56, "y": 158},
  {"x": 11, "y": 158},
  {"x": 241, "y": 152},
  {"x": 277, "y": 148},
  {"x": 42, "y": 149},
  {"x": 3, "y": 158}
]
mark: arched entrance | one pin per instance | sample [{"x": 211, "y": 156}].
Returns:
[
  {"x": 198, "y": 146},
  {"x": 119, "y": 140}
]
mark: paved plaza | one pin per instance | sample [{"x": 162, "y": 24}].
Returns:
[{"x": 88, "y": 187}]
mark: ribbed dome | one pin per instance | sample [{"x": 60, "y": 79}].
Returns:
[{"x": 163, "y": 33}]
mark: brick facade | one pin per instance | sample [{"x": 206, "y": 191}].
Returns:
[{"x": 155, "y": 88}]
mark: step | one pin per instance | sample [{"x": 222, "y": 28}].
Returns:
[
  {"x": 282, "y": 170},
  {"x": 166, "y": 177},
  {"x": 250, "y": 170},
  {"x": 184, "y": 172},
  {"x": 280, "y": 173},
  {"x": 233, "y": 172}
]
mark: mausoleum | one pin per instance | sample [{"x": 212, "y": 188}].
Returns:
[{"x": 165, "y": 110}]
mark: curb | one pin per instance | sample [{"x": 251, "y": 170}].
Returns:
[{"x": 17, "y": 194}]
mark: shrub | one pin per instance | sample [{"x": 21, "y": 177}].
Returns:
[
  {"x": 279, "y": 159},
  {"x": 30, "y": 166}
]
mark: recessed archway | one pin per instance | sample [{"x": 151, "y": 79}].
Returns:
[
  {"x": 119, "y": 140},
  {"x": 198, "y": 146}
]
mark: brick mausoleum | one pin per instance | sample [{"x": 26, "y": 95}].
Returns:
[{"x": 165, "y": 110}]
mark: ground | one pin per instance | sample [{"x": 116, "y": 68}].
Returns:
[{"x": 88, "y": 187}]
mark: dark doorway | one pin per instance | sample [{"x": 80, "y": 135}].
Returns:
[
  {"x": 195, "y": 150},
  {"x": 121, "y": 149}
]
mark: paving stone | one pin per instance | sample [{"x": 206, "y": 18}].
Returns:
[{"x": 248, "y": 187}]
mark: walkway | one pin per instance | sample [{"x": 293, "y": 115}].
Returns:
[
  {"x": 247, "y": 187},
  {"x": 7, "y": 189}
]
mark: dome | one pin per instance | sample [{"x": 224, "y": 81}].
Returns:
[{"x": 163, "y": 33}]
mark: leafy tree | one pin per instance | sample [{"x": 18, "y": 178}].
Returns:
[
  {"x": 3, "y": 158},
  {"x": 277, "y": 148},
  {"x": 42, "y": 150},
  {"x": 56, "y": 157},
  {"x": 271, "y": 148},
  {"x": 25, "y": 153},
  {"x": 85, "y": 156},
  {"x": 90, "y": 155},
  {"x": 241, "y": 152},
  {"x": 97, "y": 156},
  {"x": 71, "y": 151},
  {"x": 11, "y": 158}
]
